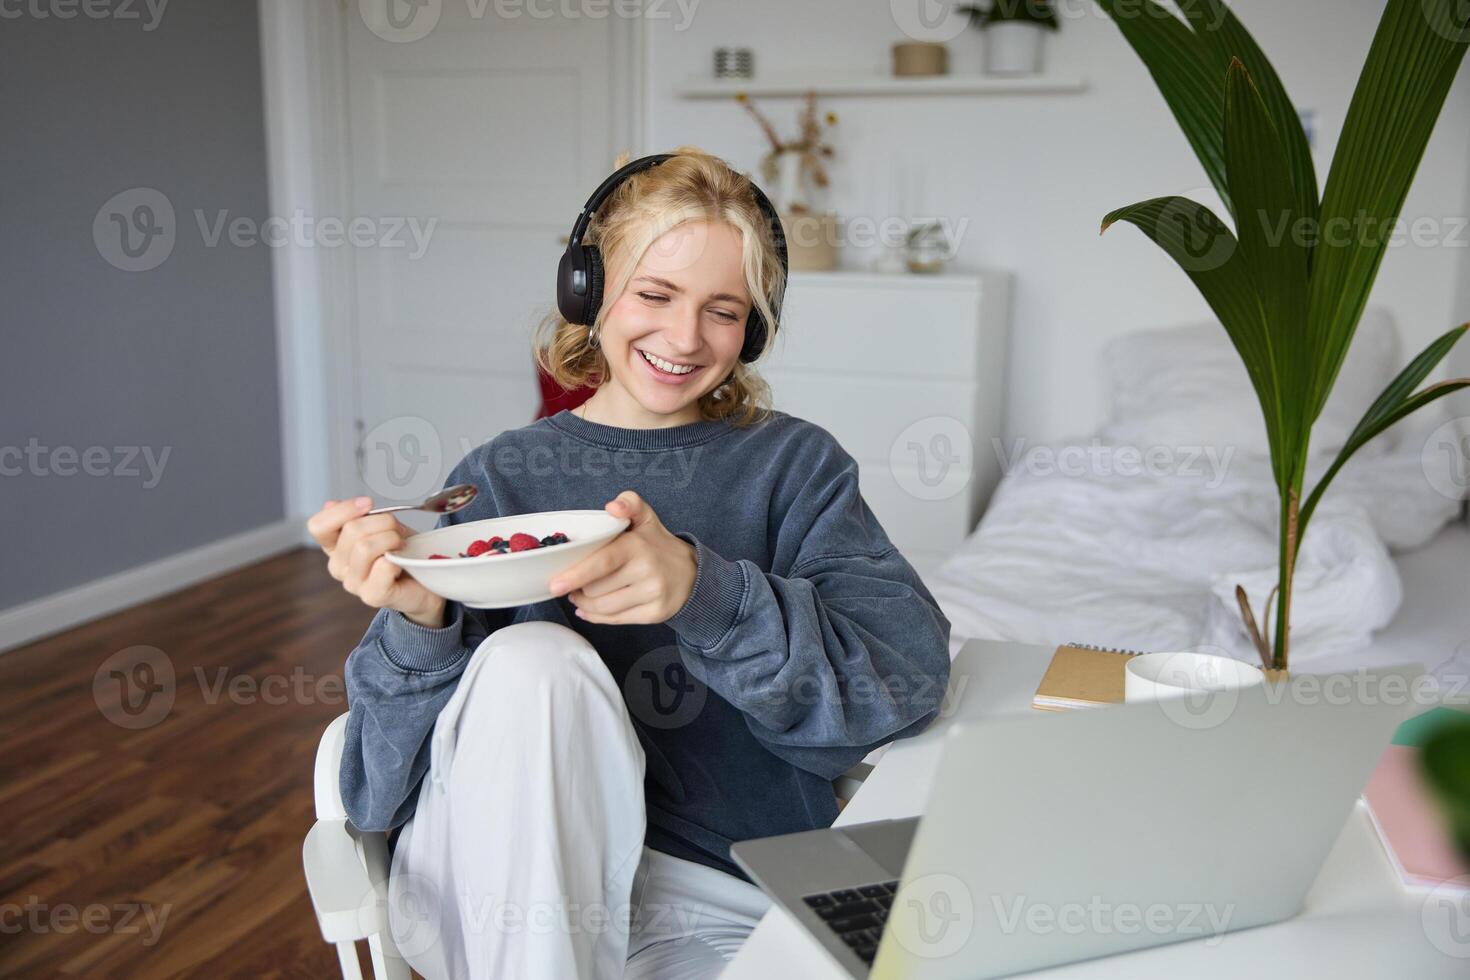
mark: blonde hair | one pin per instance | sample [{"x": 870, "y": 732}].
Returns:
[{"x": 692, "y": 185}]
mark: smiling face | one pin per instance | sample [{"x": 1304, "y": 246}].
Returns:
[{"x": 677, "y": 329}]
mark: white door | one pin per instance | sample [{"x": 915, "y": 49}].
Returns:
[{"x": 477, "y": 142}]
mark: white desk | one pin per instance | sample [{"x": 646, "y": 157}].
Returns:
[{"x": 1358, "y": 922}]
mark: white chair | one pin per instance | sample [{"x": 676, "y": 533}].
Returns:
[{"x": 347, "y": 869}]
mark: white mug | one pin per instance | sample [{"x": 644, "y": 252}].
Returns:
[{"x": 1158, "y": 676}]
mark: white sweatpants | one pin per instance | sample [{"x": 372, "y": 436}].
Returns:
[{"x": 524, "y": 857}]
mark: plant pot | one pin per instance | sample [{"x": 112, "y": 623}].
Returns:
[
  {"x": 1013, "y": 48},
  {"x": 919, "y": 58},
  {"x": 811, "y": 241}
]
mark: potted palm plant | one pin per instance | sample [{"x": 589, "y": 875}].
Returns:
[
  {"x": 1289, "y": 283},
  {"x": 1014, "y": 32}
]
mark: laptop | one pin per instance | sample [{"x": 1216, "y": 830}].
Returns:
[{"x": 1059, "y": 837}]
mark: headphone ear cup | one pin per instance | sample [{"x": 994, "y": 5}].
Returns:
[
  {"x": 755, "y": 337},
  {"x": 580, "y": 265},
  {"x": 594, "y": 284}
]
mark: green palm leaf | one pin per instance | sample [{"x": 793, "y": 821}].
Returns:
[{"x": 1291, "y": 305}]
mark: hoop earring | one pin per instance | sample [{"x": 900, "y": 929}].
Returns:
[{"x": 593, "y": 340}]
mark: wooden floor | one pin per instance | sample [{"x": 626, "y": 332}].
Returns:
[{"x": 199, "y": 814}]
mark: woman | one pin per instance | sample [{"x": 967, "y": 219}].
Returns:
[{"x": 700, "y": 680}]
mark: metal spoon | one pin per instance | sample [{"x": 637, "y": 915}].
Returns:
[{"x": 446, "y": 501}]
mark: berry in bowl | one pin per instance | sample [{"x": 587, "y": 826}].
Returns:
[{"x": 505, "y": 561}]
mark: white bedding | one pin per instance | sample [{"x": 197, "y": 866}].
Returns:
[{"x": 1150, "y": 560}]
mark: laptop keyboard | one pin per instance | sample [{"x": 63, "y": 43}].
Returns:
[{"x": 856, "y": 914}]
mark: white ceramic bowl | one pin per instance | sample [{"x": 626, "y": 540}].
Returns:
[
  {"x": 1157, "y": 676},
  {"x": 501, "y": 581}
]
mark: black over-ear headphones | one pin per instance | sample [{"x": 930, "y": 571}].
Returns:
[{"x": 579, "y": 276}]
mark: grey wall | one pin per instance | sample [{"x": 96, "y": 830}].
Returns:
[{"x": 178, "y": 359}]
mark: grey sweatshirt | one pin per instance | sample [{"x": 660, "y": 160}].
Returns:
[{"x": 808, "y": 639}]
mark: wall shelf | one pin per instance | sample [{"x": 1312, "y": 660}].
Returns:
[{"x": 872, "y": 83}]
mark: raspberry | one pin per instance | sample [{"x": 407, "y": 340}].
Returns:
[
  {"x": 523, "y": 542},
  {"x": 438, "y": 556},
  {"x": 477, "y": 548}
]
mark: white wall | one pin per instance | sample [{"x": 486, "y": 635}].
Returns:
[{"x": 1034, "y": 174}]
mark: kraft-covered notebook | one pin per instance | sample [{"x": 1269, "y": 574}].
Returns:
[{"x": 1082, "y": 676}]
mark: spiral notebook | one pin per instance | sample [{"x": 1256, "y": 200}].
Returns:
[{"x": 1082, "y": 676}]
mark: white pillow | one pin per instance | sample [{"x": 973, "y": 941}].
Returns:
[{"x": 1186, "y": 386}]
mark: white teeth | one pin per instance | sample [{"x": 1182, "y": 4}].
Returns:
[{"x": 668, "y": 367}]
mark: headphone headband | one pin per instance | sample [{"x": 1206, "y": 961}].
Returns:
[{"x": 580, "y": 274}]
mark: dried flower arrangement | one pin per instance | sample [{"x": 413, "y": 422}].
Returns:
[{"x": 809, "y": 144}]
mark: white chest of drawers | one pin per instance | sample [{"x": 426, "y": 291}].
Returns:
[{"x": 908, "y": 373}]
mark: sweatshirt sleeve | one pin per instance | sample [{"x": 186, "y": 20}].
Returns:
[
  {"x": 842, "y": 651},
  {"x": 398, "y": 678}
]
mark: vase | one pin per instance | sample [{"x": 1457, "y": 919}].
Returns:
[
  {"x": 1013, "y": 48},
  {"x": 790, "y": 183}
]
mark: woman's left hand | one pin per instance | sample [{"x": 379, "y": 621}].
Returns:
[{"x": 644, "y": 575}]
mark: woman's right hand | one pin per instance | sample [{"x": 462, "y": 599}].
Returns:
[{"x": 355, "y": 545}]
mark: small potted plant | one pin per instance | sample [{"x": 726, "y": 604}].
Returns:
[{"x": 1014, "y": 31}]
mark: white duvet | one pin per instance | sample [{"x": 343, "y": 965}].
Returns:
[{"x": 1071, "y": 549}]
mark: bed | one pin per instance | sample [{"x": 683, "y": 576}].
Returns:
[{"x": 1137, "y": 535}]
